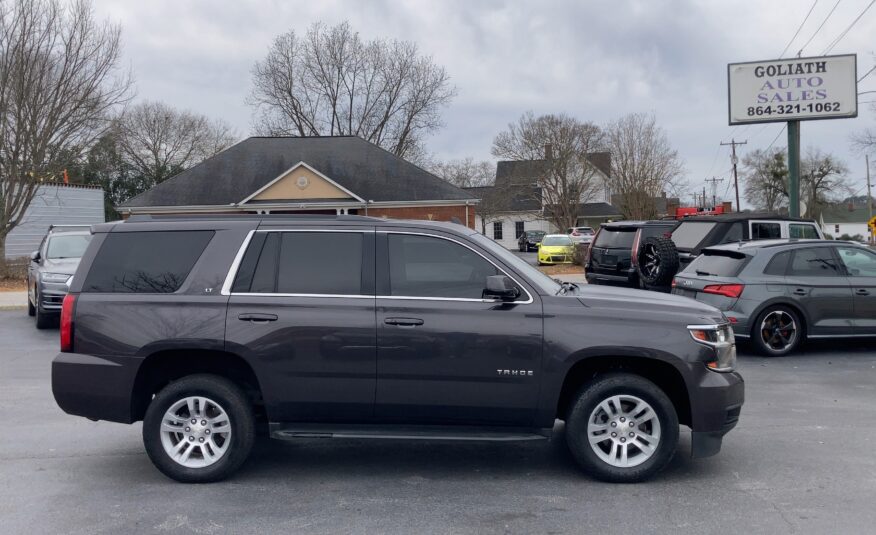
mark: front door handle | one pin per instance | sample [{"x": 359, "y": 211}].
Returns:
[
  {"x": 800, "y": 291},
  {"x": 254, "y": 317},
  {"x": 404, "y": 322},
  {"x": 862, "y": 291}
]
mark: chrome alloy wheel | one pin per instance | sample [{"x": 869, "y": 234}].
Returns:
[
  {"x": 778, "y": 330},
  {"x": 650, "y": 264},
  {"x": 195, "y": 432},
  {"x": 623, "y": 431}
]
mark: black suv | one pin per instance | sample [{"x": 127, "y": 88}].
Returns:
[
  {"x": 209, "y": 329},
  {"x": 529, "y": 240},
  {"x": 613, "y": 255}
]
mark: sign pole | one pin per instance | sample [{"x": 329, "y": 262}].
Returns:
[
  {"x": 794, "y": 168},
  {"x": 869, "y": 199}
]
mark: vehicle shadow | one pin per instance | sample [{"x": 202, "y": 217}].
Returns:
[{"x": 815, "y": 348}]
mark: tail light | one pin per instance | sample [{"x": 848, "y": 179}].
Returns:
[
  {"x": 67, "y": 323},
  {"x": 727, "y": 290},
  {"x": 575, "y": 233},
  {"x": 590, "y": 247},
  {"x": 634, "y": 258}
]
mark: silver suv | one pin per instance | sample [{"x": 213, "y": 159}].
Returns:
[
  {"x": 50, "y": 267},
  {"x": 781, "y": 292}
]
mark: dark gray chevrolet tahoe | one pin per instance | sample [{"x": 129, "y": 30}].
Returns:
[{"x": 210, "y": 329}]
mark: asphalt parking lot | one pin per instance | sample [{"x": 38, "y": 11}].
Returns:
[{"x": 801, "y": 461}]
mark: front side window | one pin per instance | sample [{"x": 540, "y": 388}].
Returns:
[
  {"x": 765, "y": 231},
  {"x": 67, "y": 245},
  {"x": 497, "y": 230},
  {"x": 802, "y": 231},
  {"x": 859, "y": 262},
  {"x": 813, "y": 262},
  {"x": 308, "y": 263},
  {"x": 145, "y": 262},
  {"x": 426, "y": 266}
]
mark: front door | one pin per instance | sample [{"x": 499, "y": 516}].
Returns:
[
  {"x": 860, "y": 265},
  {"x": 301, "y": 311},
  {"x": 817, "y": 282},
  {"x": 446, "y": 355}
]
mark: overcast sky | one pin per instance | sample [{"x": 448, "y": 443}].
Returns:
[{"x": 595, "y": 60}]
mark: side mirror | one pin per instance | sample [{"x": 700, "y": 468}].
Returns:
[
  {"x": 35, "y": 256},
  {"x": 500, "y": 287}
]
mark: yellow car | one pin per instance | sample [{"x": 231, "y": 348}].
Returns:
[{"x": 555, "y": 249}]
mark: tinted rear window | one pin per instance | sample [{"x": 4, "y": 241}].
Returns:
[
  {"x": 145, "y": 262},
  {"x": 690, "y": 233},
  {"x": 615, "y": 238},
  {"x": 715, "y": 264}
]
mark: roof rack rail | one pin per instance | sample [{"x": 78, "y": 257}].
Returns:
[{"x": 249, "y": 217}]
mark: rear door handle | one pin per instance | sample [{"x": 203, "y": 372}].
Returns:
[
  {"x": 257, "y": 318},
  {"x": 862, "y": 291},
  {"x": 403, "y": 322}
]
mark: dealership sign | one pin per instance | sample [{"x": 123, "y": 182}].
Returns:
[{"x": 823, "y": 87}]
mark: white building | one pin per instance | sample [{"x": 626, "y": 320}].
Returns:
[{"x": 845, "y": 220}]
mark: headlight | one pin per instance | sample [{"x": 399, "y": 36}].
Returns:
[
  {"x": 55, "y": 277},
  {"x": 720, "y": 338}
]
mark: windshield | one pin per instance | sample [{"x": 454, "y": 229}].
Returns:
[
  {"x": 690, "y": 233},
  {"x": 67, "y": 246},
  {"x": 544, "y": 283},
  {"x": 535, "y": 234},
  {"x": 557, "y": 240}
]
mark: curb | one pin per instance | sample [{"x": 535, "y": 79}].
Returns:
[{"x": 13, "y": 307}]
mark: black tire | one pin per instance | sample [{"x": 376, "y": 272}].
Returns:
[
  {"x": 43, "y": 319},
  {"x": 769, "y": 339},
  {"x": 658, "y": 261},
  {"x": 240, "y": 415},
  {"x": 31, "y": 310},
  {"x": 595, "y": 392}
]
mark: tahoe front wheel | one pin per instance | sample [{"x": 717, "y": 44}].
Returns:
[
  {"x": 622, "y": 428},
  {"x": 199, "y": 429}
]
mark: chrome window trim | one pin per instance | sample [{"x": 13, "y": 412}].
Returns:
[
  {"x": 235, "y": 264},
  {"x": 238, "y": 258},
  {"x": 528, "y": 301}
]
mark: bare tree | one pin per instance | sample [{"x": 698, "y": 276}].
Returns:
[
  {"x": 822, "y": 181},
  {"x": 465, "y": 173},
  {"x": 643, "y": 164},
  {"x": 766, "y": 179},
  {"x": 568, "y": 178},
  {"x": 158, "y": 141},
  {"x": 330, "y": 82},
  {"x": 59, "y": 85}
]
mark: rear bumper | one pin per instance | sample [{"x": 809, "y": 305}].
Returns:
[
  {"x": 623, "y": 278},
  {"x": 97, "y": 388}
]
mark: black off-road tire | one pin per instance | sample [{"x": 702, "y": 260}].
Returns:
[
  {"x": 758, "y": 334},
  {"x": 595, "y": 392},
  {"x": 657, "y": 261},
  {"x": 240, "y": 414}
]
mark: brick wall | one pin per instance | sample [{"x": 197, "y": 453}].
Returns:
[{"x": 433, "y": 213}]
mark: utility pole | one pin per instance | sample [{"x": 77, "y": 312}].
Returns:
[
  {"x": 869, "y": 197},
  {"x": 714, "y": 182},
  {"x": 734, "y": 160}
]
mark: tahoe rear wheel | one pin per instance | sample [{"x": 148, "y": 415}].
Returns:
[
  {"x": 199, "y": 429},
  {"x": 622, "y": 428},
  {"x": 777, "y": 331}
]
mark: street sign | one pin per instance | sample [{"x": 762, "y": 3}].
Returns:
[
  {"x": 872, "y": 225},
  {"x": 794, "y": 89}
]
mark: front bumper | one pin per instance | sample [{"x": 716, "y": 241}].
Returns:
[
  {"x": 98, "y": 388},
  {"x": 555, "y": 258},
  {"x": 51, "y": 295},
  {"x": 716, "y": 403}
]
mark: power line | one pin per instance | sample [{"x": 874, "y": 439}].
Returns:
[
  {"x": 798, "y": 29},
  {"x": 866, "y": 74},
  {"x": 819, "y": 28},
  {"x": 840, "y": 37},
  {"x": 775, "y": 138}
]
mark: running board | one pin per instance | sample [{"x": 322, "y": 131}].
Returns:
[{"x": 407, "y": 432}]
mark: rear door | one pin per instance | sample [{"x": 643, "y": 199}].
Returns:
[
  {"x": 816, "y": 281},
  {"x": 715, "y": 271},
  {"x": 860, "y": 265},
  {"x": 612, "y": 251},
  {"x": 301, "y": 309}
]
